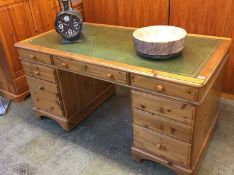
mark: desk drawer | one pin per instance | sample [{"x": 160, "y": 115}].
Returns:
[
  {"x": 172, "y": 109},
  {"x": 92, "y": 70},
  {"x": 34, "y": 56},
  {"x": 39, "y": 71},
  {"x": 45, "y": 96},
  {"x": 163, "y": 87},
  {"x": 160, "y": 145},
  {"x": 162, "y": 125}
]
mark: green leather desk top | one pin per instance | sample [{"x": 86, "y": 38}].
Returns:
[{"x": 116, "y": 44}]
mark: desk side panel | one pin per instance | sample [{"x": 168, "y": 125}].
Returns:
[{"x": 206, "y": 118}]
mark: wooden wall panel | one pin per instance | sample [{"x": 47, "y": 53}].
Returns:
[
  {"x": 138, "y": 13},
  {"x": 133, "y": 13},
  {"x": 229, "y": 76},
  {"x": 43, "y": 13},
  {"x": 209, "y": 17},
  {"x": 101, "y": 11}
]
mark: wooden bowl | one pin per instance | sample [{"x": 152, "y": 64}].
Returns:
[{"x": 159, "y": 42}]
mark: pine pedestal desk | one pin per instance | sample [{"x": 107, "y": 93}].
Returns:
[{"x": 175, "y": 103}]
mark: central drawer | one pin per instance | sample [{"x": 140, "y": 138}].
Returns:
[
  {"x": 92, "y": 70},
  {"x": 45, "y": 96},
  {"x": 173, "y": 109},
  {"x": 161, "y": 145}
]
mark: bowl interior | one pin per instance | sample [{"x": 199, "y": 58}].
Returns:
[{"x": 159, "y": 34}]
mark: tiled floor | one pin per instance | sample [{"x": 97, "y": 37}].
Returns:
[{"x": 99, "y": 146}]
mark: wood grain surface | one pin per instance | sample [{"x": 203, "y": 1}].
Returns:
[{"x": 134, "y": 13}]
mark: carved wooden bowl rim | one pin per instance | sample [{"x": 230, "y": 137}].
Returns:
[{"x": 159, "y": 34}]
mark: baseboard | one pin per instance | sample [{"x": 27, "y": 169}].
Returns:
[
  {"x": 228, "y": 96},
  {"x": 14, "y": 97}
]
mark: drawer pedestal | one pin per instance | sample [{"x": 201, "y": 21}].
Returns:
[
  {"x": 172, "y": 132},
  {"x": 65, "y": 97}
]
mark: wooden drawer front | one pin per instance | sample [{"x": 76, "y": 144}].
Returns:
[
  {"x": 92, "y": 70},
  {"x": 163, "y": 87},
  {"x": 162, "y": 125},
  {"x": 172, "y": 109},
  {"x": 39, "y": 71},
  {"x": 34, "y": 56},
  {"x": 45, "y": 96},
  {"x": 42, "y": 87},
  {"x": 161, "y": 145}
]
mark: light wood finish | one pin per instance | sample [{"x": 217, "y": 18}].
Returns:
[
  {"x": 19, "y": 20},
  {"x": 175, "y": 110},
  {"x": 206, "y": 115},
  {"x": 161, "y": 145},
  {"x": 92, "y": 70},
  {"x": 164, "y": 87},
  {"x": 162, "y": 125},
  {"x": 85, "y": 90},
  {"x": 196, "y": 16},
  {"x": 52, "y": 95},
  {"x": 151, "y": 73},
  {"x": 39, "y": 71},
  {"x": 205, "y": 120},
  {"x": 170, "y": 125},
  {"x": 34, "y": 56},
  {"x": 139, "y": 154},
  {"x": 41, "y": 87},
  {"x": 134, "y": 13},
  {"x": 205, "y": 90},
  {"x": 45, "y": 96},
  {"x": 69, "y": 124}
]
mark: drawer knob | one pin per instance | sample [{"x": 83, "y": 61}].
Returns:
[
  {"x": 146, "y": 126},
  {"x": 41, "y": 88},
  {"x": 64, "y": 65},
  {"x": 173, "y": 130},
  {"x": 161, "y": 147},
  {"x": 37, "y": 73},
  {"x": 184, "y": 106},
  {"x": 32, "y": 56},
  {"x": 161, "y": 110},
  {"x": 110, "y": 76},
  {"x": 159, "y": 88}
]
